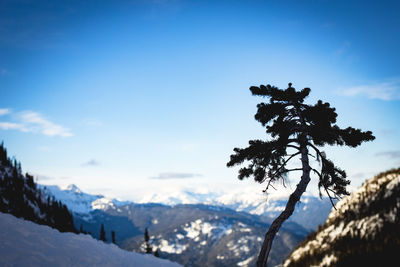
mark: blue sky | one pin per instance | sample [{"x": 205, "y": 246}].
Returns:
[{"x": 129, "y": 96}]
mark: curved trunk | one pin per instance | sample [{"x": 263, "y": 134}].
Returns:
[{"x": 293, "y": 199}]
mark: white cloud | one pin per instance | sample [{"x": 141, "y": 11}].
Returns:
[
  {"x": 39, "y": 124},
  {"x": 12, "y": 126},
  {"x": 175, "y": 175},
  {"x": 30, "y": 121},
  {"x": 388, "y": 90},
  {"x": 4, "y": 111}
]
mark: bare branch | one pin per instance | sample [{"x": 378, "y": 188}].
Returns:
[
  {"x": 296, "y": 169},
  {"x": 292, "y": 146},
  {"x": 283, "y": 165},
  {"x": 268, "y": 185},
  {"x": 316, "y": 149},
  {"x": 317, "y": 172}
]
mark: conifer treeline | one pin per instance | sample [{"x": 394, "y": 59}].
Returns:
[
  {"x": 103, "y": 234},
  {"x": 20, "y": 196}
]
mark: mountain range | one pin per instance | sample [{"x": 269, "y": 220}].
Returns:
[
  {"x": 309, "y": 213},
  {"x": 191, "y": 228}
]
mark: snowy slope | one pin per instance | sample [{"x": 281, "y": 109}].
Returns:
[{"x": 24, "y": 243}]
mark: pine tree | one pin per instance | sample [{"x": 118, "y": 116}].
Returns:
[
  {"x": 296, "y": 130},
  {"x": 147, "y": 241},
  {"x": 102, "y": 233},
  {"x": 113, "y": 237}
]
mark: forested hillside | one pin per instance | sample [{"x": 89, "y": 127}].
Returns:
[
  {"x": 363, "y": 231},
  {"x": 20, "y": 196}
]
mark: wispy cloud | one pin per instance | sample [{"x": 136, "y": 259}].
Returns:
[
  {"x": 394, "y": 154},
  {"x": 387, "y": 90},
  {"x": 175, "y": 175},
  {"x": 40, "y": 177},
  {"x": 43, "y": 177},
  {"x": 34, "y": 122},
  {"x": 91, "y": 163},
  {"x": 4, "y": 111}
]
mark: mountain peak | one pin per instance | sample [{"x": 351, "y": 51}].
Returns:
[{"x": 73, "y": 188}]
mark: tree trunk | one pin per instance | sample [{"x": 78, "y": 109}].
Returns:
[{"x": 293, "y": 199}]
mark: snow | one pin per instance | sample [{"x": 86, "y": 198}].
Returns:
[
  {"x": 80, "y": 202},
  {"x": 164, "y": 246},
  {"x": 194, "y": 229},
  {"x": 245, "y": 262},
  {"x": 24, "y": 243},
  {"x": 198, "y": 227}
]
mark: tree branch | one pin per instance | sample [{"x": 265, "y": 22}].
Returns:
[
  {"x": 284, "y": 163},
  {"x": 269, "y": 184},
  {"x": 316, "y": 149},
  {"x": 292, "y": 146},
  {"x": 326, "y": 189},
  {"x": 296, "y": 169}
]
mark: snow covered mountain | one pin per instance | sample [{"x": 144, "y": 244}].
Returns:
[
  {"x": 191, "y": 234},
  {"x": 363, "y": 231},
  {"x": 25, "y": 243},
  {"x": 311, "y": 212},
  {"x": 78, "y": 201}
]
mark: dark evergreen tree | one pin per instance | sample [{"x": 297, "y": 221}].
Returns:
[
  {"x": 296, "y": 130},
  {"x": 147, "y": 241},
  {"x": 102, "y": 233},
  {"x": 113, "y": 237}
]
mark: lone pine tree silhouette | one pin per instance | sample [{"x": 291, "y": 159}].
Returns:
[{"x": 296, "y": 130}]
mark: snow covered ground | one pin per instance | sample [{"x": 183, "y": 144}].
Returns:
[{"x": 24, "y": 243}]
